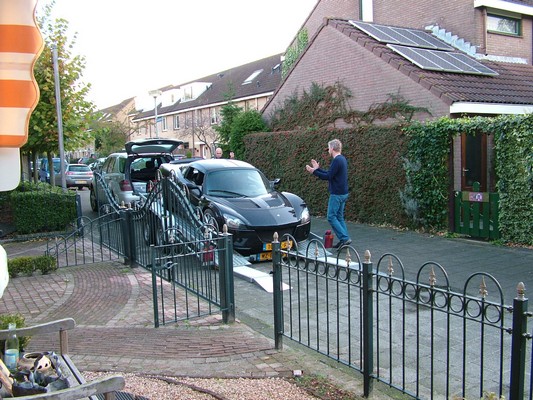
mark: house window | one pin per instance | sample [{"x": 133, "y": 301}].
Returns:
[
  {"x": 199, "y": 119},
  {"x": 214, "y": 116},
  {"x": 252, "y": 77},
  {"x": 164, "y": 125},
  {"x": 176, "y": 122},
  {"x": 186, "y": 120},
  {"x": 503, "y": 24}
]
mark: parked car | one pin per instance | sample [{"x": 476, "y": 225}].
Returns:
[
  {"x": 178, "y": 164},
  {"x": 97, "y": 165},
  {"x": 128, "y": 173},
  {"x": 76, "y": 175},
  {"x": 44, "y": 171},
  {"x": 237, "y": 194}
]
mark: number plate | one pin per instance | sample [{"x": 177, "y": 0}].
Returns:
[
  {"x": 80, "y": 182},
  {"x": 265, "y": 256},
  {"x": 284, "y": 245}
]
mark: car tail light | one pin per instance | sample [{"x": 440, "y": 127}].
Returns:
[
  {"x": 70, "y": 173},
  {"x": 125, "y": 185}
]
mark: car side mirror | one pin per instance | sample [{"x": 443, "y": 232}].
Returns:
[{"x": 275, "y": 183}]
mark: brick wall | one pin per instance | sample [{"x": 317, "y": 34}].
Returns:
[
  {"x": 335, "y": 57},
  {"x": 347, "y": 9},
  {"x": 456, "y": 16}
]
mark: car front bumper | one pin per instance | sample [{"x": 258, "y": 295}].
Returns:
[{"x": 248, "y": 242}]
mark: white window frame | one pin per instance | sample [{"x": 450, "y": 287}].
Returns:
[
  {"x": 176, "y": 122},
  {"x": 164, "y": 125},
  {"x": 494, "y": 18}
]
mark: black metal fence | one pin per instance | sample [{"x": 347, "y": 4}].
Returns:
[
  {"x": 193, "y": 279},
  {"x": 417, "y": 336},
  {"x": 191, "y": 262}
]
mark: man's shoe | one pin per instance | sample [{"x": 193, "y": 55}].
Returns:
[{"x": 342, "y": 243}]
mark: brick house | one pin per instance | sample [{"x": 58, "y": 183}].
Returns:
[
  {"x": 493, "y": 33},
  {"x": 189, "y": 111}
]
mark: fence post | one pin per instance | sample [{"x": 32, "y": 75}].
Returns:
[
  {"x": 79, "y": 215},
  {"x": 368, "y": 326},
  {"x": 518, "y": 344},
  {"x": 227, "y": 295},
  {"x": 154, "y": 286},
  {"x": 278, "y": 303},
  {"x": 128, "y": 235}
]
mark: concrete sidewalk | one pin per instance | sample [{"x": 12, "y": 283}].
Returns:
[{"x": 112, "y": 306}]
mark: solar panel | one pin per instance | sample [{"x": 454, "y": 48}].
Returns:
[
  {"x": 403, "y": 36},
  {"x": 437, "y": 60}
]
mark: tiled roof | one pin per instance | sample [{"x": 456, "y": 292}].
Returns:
[
  {"x": 221, "y": 82},
  {"x": 116, "y": 108},
  {"x": 513, "y": 85}
]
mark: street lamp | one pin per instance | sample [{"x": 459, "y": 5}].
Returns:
[{"x": 155, "y": 94}]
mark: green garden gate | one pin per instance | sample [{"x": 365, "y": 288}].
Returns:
[{"x": 476, "y": 213}]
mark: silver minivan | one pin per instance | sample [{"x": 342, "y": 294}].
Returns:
[{"x": 127, "y": 174}]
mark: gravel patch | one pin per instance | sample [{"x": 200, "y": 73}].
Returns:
[{"x": 173, "y": 388}]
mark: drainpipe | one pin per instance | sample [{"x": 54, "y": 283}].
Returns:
[{"x": 485, "y": 33}]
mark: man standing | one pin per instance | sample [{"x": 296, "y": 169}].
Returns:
[{"x": 337, "y": 177}]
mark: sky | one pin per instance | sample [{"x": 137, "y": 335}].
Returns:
[{"x": 134, "y": 46}]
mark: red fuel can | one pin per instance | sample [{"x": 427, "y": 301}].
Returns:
[{"x": 328, "y": 239}]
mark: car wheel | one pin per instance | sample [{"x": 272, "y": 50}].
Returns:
[
  {"x": 93, "y": 201},
  {"x": 153, "y": 231}
]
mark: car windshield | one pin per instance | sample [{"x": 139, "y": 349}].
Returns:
[{"x": 236, "y": 183}]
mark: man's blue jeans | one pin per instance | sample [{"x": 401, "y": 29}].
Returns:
[{"x": 336, "y": 205}]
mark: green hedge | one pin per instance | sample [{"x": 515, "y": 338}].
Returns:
[
  {"x": 375, "y": 168},
  {"x": 42, "y": 208},
  {"x": 27, "y": 265},
  {"x": 399, "y": 174}
]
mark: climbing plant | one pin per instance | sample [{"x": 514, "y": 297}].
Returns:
[
  {"x": 322, "y": 106},
  {"x": 427, "y": 170},
  {"x": 293, "y": 52}
]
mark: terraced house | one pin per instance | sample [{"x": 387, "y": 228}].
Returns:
[{"x": 189, "y": 111}]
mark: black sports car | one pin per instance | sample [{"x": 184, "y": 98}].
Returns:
[{"x": 237, "y": 194}]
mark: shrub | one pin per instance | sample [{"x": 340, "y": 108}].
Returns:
[
  {"x": 27, "y": 265},
  {"x": 42, "y": 208},
  {"x": 20, "y": 266},
  {"x": 6, "y": 319},
  {"x": 45, "y": 264}
]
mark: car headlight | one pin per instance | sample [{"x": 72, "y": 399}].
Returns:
[
  {"x": 306, "y": 216},
  {"x": 233, "y": 222}
]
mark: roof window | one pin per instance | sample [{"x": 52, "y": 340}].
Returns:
[{"x": 252, "y": 77}]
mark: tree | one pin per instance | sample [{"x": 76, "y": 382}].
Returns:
[
  {"x": 77, "y": 112},
  {"x": 242, "y": 124},
  {"x": 228, "y": 112}
]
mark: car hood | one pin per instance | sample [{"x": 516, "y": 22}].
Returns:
[{"x": 272, "y": 209}]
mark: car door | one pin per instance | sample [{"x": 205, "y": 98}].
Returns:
[
  {"x": 194, "y": 179},
  {"x": 106, "y": 172}
]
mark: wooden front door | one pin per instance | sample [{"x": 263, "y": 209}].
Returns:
[{"x": 474, "y": 161}]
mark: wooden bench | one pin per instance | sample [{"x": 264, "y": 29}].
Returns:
[{"x": 78, "y": 387}]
